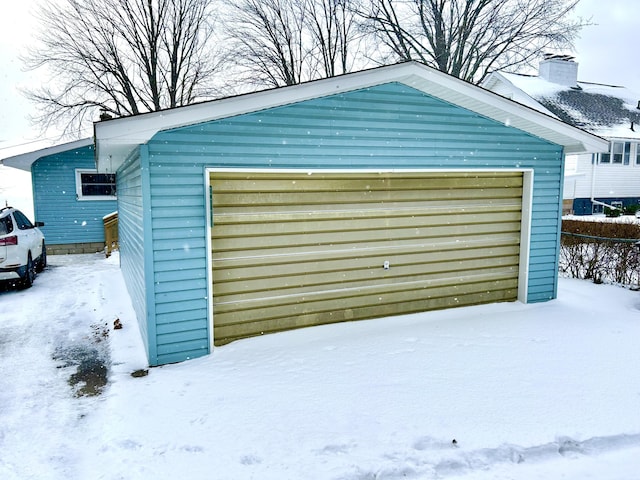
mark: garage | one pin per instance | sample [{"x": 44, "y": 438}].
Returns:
[
  {"x": 293, "y": 249},
  {"x": 378, "y": 193}
]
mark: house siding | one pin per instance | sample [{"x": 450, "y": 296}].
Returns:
[
  {"x": 67, "y": 220},
  {"x": 612, "y": 180},
  {"x": 389, "y": 126},
  {"x": 613, "y": 183}
]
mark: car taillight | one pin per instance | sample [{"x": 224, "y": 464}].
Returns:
[{"x": 12, "y": 240}]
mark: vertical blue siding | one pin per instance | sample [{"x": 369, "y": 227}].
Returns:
[
  {"x": 67, "y": 220},
  {"x": 389, "y": 126}
]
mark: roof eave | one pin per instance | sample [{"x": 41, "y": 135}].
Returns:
[
  {"x": 25, "y": 160},
  {"x": 517, "y": 115},
  {"x": 117, "y": 138}
]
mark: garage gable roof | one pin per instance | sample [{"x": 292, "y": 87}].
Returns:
[
  {"x": 25, "y": 160},
  {"x": 117, "y": 138}
]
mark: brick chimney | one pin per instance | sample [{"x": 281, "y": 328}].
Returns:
[{"x": 560, "y": 69}]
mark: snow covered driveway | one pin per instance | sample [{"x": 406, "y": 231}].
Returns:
[
  {"x": 543, "y": 391},
  {"x": 45, "y": 333}
]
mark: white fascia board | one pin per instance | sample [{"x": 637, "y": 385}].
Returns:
[
  {"x": 25, "y": 160},
  {"x": 115, "y": 139}
]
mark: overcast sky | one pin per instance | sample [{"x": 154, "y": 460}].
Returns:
[{"x": 606, "y": 53}]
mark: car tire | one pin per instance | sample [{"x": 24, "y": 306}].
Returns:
[
  {"x": 29, "y": 274},
  {"x": 42, "y": 262}
]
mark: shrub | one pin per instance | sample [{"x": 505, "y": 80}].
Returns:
[
  {"x": 612, "y": 212},
  {"x": 631, "y": 209},
  {"x": 600, "y": 251}
]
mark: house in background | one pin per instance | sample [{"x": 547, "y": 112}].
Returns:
[
  {"x": 69, "y": 195},
  {"x": 384, "y": 192},
  {"x": 595, "y": 180}
]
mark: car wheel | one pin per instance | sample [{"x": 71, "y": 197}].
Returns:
[
  {"x": 42, "y": 262},
  {"x": 30, "y": 274}
]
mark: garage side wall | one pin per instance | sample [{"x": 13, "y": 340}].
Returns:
[
  {"x": 67, "y": 220},
  {"x": 131, "y": 230},
  {"x": 389, "y": 126}
]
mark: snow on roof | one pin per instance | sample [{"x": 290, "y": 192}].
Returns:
[{"x": 604, "y": 110}]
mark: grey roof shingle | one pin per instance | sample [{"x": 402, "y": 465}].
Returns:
[
  {"x": 588, "y": 110},
  {"x": 604, "y": 110}
]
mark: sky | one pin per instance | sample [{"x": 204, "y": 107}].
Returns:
[
  {"x": 605, "y": 53},
  {"x": 17, "y": 28}
]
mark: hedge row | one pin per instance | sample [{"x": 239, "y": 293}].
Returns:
[{"x": 601, "y": 251}]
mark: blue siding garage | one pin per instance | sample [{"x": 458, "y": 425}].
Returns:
[{"x": 404, "y": 118}]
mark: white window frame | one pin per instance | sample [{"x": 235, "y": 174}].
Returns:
[
  {"x": 630, "y": 155},
  {"x": 80, "y": 196}
]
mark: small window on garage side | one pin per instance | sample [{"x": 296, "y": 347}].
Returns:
[{"x": 91, "y": 185}]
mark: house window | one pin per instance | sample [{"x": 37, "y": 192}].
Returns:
[
  {"x": 91, "y": 185},
  {"x": 619, "y": 153},
  {"x": 626, "y": 154}
]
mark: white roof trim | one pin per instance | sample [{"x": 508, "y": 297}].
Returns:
[
  {"x": 25, "y": 160},
  {"x": 117, "y": 138}
]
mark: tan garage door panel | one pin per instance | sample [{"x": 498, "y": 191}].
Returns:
[{"x": 296, "y": 249}]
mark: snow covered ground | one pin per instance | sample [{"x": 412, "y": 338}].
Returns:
[{"x": 541, "y": 391}]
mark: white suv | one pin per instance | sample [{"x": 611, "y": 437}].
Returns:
[{"x": 22, "y": 248}]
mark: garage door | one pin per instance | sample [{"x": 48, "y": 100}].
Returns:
[{"x": 292, "y": 250}]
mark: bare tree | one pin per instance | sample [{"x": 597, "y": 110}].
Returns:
[
  {"x": 267, "y": 40},
  {"x": 121, "y": 57},
  {"x": 333, "y": 30},
  {"x": 285, "y": 42},
  {"x": 469, "y": 38}
]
